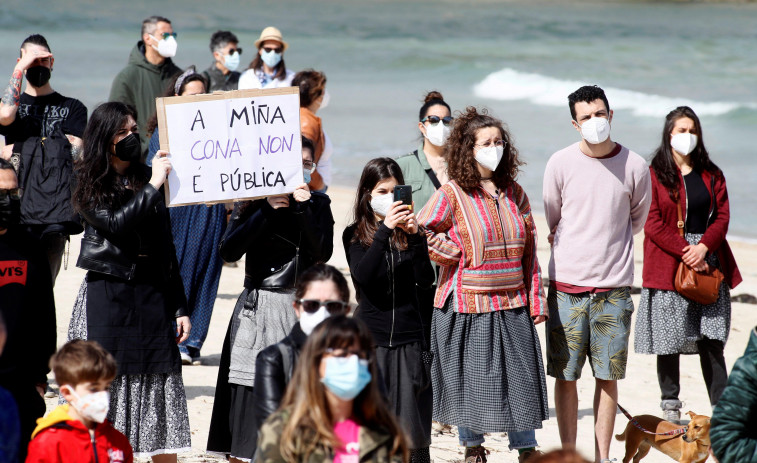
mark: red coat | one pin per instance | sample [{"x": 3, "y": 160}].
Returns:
[
  {"x": 663, "y": 247},
  {"x": 59, "y": 438}
]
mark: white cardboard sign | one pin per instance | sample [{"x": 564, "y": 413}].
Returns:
[{"x": 229, "y": 146}]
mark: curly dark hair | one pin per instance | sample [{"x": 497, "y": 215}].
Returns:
[
  {"x": 662, "y": 158},
  {"x": 461, "y": 163},
  {"x": 586, "y": 94},
  {"x": 97, "y": 182}
]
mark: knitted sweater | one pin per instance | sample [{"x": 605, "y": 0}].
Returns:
[
  {"x": 594, "y": 206},
  {"x": 486, "y": 248}
]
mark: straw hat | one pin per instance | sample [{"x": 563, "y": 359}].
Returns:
[{"x": 271, "y": 33}]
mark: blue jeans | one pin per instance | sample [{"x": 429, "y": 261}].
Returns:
[{"x": 518, "y": 439}]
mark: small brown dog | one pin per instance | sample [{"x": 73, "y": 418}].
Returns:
[{"x": 691, "y": 447}]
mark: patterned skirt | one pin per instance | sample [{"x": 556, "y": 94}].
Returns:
[
  {"x": 668, "y": 323},
  {"x": 487, "y": 373},
  {"x": 151, "y": 409}
]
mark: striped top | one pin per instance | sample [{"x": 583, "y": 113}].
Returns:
[{"x": 486, "y": 248}]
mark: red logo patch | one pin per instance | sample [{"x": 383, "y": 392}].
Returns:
[{"x": 13, "y": 271}]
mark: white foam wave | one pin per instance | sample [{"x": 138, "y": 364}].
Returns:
[{"x": 509, "y": 84}]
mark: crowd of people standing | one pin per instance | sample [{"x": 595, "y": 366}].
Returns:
[{"x": 449, "y": 288}]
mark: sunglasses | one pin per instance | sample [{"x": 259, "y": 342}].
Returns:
[
  {"x": 314, "y": 305},
  {"x": 235, "y": 50},
  {"x": 269, "y": 49},
  {"x": 165, "y": 35},
  {"x": 344, "y": 353},
  {"x": 13, "y": 193},
  {"x": 433, "y": 120}
]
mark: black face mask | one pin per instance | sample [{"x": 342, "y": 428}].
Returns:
[
  {"x": 10, "y": 212},
  {"x": 38, "y": 76},
  {"x": 129, "y": 148}
]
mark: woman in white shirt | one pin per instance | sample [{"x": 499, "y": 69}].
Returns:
[{"x": 268, "y": 70}]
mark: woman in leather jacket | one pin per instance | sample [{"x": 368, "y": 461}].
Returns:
[
  {"x": 132, "y": 294},
  {"x": 282, "y": 236},
  {"x": 321, "y": 292}
]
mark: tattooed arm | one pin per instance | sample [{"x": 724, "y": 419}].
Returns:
[
  {"x": 11, "y": 97},
  {"x": 76, "y": 145}
]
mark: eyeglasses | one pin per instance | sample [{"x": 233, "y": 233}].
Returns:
[
  {"x": 433, "y": 120},
  {"x": 309, "y": 165},
  {"x": 14, "y": 193},
  {"x": 235, "y": 50},
  {"x": 488, "y": 143},
  {"x": 165, "y": 35},
  {"x": 344, "y": 353},
  {"x": 314, "y": 305},
  {"x": 269, "y": 49}
]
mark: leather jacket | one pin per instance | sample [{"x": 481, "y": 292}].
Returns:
[
  {"x": 116, "y": 240},
  {"x": 277, "y": 241},
  {"x": 270, "y": 378}
]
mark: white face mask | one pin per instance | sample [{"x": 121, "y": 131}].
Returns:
[
  {"x": 166, "y": 47},
  {"x": 381, "y": 203},
  {"x": 596, "y": 130},
  {"x": 489, "y": 157},
  {"x": 437, "y": 134},
  {"x": 325, "y": 100},
  {"x": 683, "y": 143},
  {"x": 92, "y": 406},
  {"x": 308, "y": 321}
]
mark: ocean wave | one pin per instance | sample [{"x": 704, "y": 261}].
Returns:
[{"x": 509, "y": 84}]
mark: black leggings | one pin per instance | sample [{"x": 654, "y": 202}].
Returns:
[{"x": 713, "y": 369}]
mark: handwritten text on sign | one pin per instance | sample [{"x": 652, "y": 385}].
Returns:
[{"x": 235, "y": 145}]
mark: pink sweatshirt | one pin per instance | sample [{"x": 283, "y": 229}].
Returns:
[{"x": 597, "y": 205}]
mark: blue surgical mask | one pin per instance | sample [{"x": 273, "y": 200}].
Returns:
[
  {"x": 307, "y": 175},
  {"x": 270, "y": 58},
  {"x": 231, "y": 62},
  {"x": 346, "y": 377}
]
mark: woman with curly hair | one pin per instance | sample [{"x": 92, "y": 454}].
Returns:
[
  {"x": 336, "y": 412},
  {"x": 488, "y": 374}
]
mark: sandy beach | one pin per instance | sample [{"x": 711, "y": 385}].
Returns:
[{"x": 639, "y": 392}]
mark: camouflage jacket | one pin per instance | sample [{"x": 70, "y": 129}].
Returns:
[{"x": 375, "y": 444}]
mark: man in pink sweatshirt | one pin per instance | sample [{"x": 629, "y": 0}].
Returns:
[{"x": 596, "y": 197}]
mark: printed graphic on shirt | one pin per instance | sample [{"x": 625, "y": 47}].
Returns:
[
  {"x": 348, "y": 432},
  {"x": 47, "y": 116},
  {"x": 13, "y": 271}
]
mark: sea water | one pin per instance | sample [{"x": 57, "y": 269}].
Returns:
[{"x": 519, "y": 59}]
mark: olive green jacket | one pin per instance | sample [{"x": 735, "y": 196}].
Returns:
[
  {"x": 375, "y": 445},
  {"x": 414, "y": 171}
]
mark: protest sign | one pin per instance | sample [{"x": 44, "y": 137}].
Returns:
[{"x": 228, "y": 146}]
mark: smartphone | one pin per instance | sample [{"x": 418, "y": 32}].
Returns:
[{"x": 404, "y": 193}]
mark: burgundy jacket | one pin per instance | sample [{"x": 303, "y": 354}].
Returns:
[{"x": 663, "y": 247}]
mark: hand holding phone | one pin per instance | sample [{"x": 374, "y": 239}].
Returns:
[{"x": 404, "y": 193}]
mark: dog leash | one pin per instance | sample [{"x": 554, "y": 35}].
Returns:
[{"x": 675, "y": 432}]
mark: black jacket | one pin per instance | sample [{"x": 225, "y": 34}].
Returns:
[
  {"x": 386, "y": 281},
  {"x": 271, "y": 379},
  {"x": 273, "y": 237},
  {"x": 117, "y": 239}
]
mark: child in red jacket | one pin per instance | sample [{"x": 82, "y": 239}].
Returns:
[{"x": 78, "y": 431}]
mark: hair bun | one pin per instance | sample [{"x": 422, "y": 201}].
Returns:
[{"x": 433, "y": 95}]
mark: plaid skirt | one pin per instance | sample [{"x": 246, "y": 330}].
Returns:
[{"x": 488, "y": 373}]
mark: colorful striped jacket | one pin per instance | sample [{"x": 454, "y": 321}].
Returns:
[{"x": 486, "y": 248}]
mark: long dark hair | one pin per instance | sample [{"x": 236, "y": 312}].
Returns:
[
  {"x": 97, "y": 182},
  {"x": 664, "y": 165},
  {"x": 459, "y": 151},
  {"x": 312, "y": 84},
  {"x": 281, "y": 68},
  {"x": 366, "y": 224},
  {"x": 310, "y": 421}
]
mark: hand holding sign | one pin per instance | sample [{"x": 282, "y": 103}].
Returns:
[
  {"x": 302, "y": 193},
  {"x": 161, "y": 167},
  {"x": 278, "y": 201}
]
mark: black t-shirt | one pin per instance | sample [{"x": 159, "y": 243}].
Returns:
[
  {"x": 40, "y": 116},
  {"x": 698, "y": 208}
]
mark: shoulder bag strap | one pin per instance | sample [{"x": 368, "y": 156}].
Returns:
[
  {"x": 429, "y": 172},
  {"x": 680, "y": 223}
]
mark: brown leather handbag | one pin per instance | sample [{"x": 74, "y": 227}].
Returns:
[{"x": 701, "y": 287}]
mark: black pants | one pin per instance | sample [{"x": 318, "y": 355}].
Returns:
[
  {"x": 713, "y": 369},
  {"x": 54, "y": 244}
]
